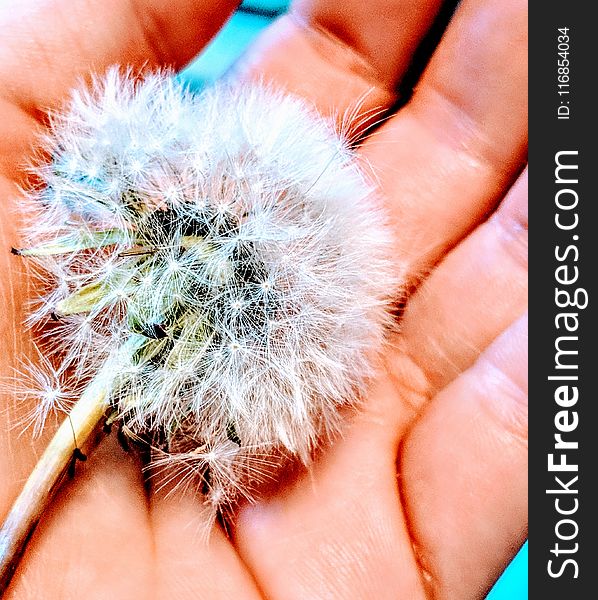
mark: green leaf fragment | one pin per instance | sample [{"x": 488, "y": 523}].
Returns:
[
  {"x": 190, "y": 241},
  {"x": 83, "y": 300},
  {"x": 93, "y": 294},
  {"x": 151, "y": 329},
  {"x": 83, "y": 240}
]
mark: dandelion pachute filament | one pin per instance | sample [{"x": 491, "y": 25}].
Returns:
[{"x": 233, "y": 236}]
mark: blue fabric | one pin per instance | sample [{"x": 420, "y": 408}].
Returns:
[{"x": 214, "y": 61}]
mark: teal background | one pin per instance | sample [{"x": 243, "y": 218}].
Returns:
[
  {"x": 243, "y": 27},
  {"x": 513, "y": 583}
]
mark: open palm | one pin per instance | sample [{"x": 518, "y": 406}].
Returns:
[{"x": 425, "y": 495}]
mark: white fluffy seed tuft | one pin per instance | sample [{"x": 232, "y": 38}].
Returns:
[{"x": 228, "y": 245}]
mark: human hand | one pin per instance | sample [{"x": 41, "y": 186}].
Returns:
[{"x": 425, "y": 495}]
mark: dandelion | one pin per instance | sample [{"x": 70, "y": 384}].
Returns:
[{"x": 222, "y": 276}]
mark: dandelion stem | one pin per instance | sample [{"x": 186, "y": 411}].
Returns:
[{"x": 77, "y": 429}]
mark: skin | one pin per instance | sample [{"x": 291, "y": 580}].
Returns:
[{"x": 425, "y": 495}]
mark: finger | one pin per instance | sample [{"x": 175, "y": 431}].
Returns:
[
  {"x": 16, "y": 457},
  {"x": 47, "y": 45},
  {"x": 347, "y": 56},
  {"x": 473, "y": 295},
  {"x": 464, "y": 472},
  {"x": 339, "y": 531},
  {"x": 94, "y": 542},
  {"x": 194, "y": 559},
  {"x": 371, "y": 30},
  {"x": 447, "y": 158}
]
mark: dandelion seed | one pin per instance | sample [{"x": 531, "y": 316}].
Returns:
[
  {"x": 136, "y": 166},
  {"x": 172, "y": 194},
  {"x": 72, "y": 166},
  {"x": 92, "y": 172},
  {"x": 40, "y": 388},
  {"x": 235, "y": 347}
]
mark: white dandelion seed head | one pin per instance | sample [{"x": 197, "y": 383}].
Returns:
[{"x": 234, "y": 238}]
